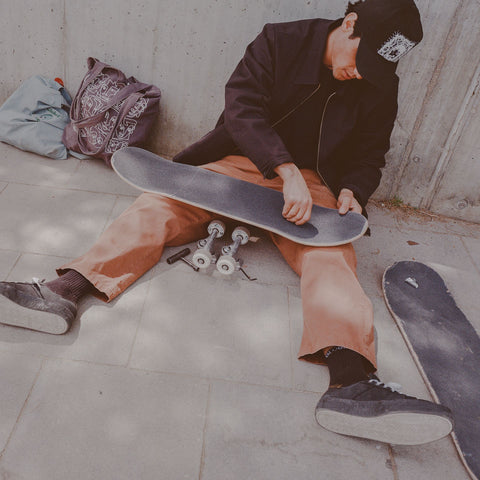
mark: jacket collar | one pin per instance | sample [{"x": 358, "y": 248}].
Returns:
[{"x": 309, "y": 71}]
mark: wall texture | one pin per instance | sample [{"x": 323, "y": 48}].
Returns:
[{"x": 189, "y": 49}]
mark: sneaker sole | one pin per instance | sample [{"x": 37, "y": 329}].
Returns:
[
  {"x": 401, "y": 428},
  {"x": 15, "y": 315}
]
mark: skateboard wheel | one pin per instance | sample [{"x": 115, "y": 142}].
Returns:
[
  {"x": 202, "y": 258},
  {"x": 226, "y": 265},
  {"x": 219, "y": 226},
  {"x": 241, "y": 232}
]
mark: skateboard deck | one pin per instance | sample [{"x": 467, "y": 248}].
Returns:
[
  {"x": 445, "y": 347},
  {"x": 233, "y": 198}
]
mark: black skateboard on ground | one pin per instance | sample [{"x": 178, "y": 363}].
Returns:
[
  {"x": 233, "y": 198},
  {"x": 445, "y": 347}
]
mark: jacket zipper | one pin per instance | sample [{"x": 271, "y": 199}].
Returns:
[
  {"x": 297, "y": 106},
  {"x": 321, "y": 125},
  {"x": 320, "y": 140}
]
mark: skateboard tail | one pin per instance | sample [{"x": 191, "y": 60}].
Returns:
[
  {"x": 469, "y": 463},
  {"x": 431, "y": 391}
]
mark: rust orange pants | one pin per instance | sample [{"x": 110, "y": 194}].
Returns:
[{"x": 336, "y": 310}]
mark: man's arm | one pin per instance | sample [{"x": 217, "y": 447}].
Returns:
[
  {"x": 298, "y": 200},
  {"x": 247, "y": 113},
  {"x": 372, "y": 141},
  {"x": 247, "y": 120}
]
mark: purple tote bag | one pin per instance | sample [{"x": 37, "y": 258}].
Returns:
[{"x": 110, "y": 112}]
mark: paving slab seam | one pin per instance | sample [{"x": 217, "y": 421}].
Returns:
[
  {"x": 139, "y": 322},
  {"x": 393, "y": 463},
  {"x": 212, "y": 379},
  {"x": 290, "y": 336},
  {"x": 110, "y": 215},
  {"x": 9, "y": 250},
  {"x": 94, "y": 363},
  {"x": 258, "y": 281},
  {"x": 124, "y": 195},
  {"x": 67, "y": 189},
  {"x": 214, "y": 274},
  {"x": 40, "y": 368},
  {"x": 19, "y": 256},
  {"x": 62, "y": 260},
  {"x": 31, "y": 252},
  {"x": 219, "y": 379},
  {"x": 270, "y": 284},
  {"x": 204, "y": 432}
]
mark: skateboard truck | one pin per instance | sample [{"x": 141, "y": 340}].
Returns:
[
  {"x": 204, "y": 255},
  {"x": 180, "y": 256},
  {"x": 228, "y": 263}
]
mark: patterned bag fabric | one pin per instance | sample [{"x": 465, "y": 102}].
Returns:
[{"x": 110, "y": 112}]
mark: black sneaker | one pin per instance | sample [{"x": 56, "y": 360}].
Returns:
[
  {"x": 44, "y": 311},
  {"x": 374, "y": 410}
]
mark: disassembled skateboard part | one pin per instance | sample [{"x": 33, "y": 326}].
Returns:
[
  {"x": 204, "y": 256},
  {"x": 180, "y": 256},
  {"x": 228, "y": 263}
]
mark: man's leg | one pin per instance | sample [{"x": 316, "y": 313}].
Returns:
[
  {"x": 337, "y": 314},
  {"x": 125, "y": 251},
  {"x": 135, "y": 241},
  {"x": 338, "y": 331}
]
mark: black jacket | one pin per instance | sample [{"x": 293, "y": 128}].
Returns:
[{"x": 279, "y": 70}]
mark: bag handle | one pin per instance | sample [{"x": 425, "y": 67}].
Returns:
[
  {"x": 130, "y": 103},
  {"x": 93, "y": 70},
  {"x": 119, "y": 97},
  {"x": 96, "y": 67}
]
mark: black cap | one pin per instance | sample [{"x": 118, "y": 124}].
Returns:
[{"x": 389, "y": 30}]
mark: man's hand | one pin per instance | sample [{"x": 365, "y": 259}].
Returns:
[
  {"x": 298, "y": 201},
  {"x": 346, "y": 202}
]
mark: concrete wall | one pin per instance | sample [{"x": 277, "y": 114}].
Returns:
[{"x": 189, "y": 49}]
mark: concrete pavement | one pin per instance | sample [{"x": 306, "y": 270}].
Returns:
[{"x": 190, "y": 375}]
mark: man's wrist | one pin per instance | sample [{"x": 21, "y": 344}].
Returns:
[{"x": 286, "y": 170}]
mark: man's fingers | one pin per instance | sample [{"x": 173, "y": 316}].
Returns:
[
  {"x": 298, "y": 213},
  {"x": 345, "y": 203},
  {"x": 295, "y": 215},
  {"x": 294, "y": 208},
  {"x": 305, "y": 218},
  {"x": 290, "y": 209}
]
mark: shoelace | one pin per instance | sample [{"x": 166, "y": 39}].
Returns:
[
  {"x": 394, "y": 387},
  {"x": 36, "y": 284}
]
